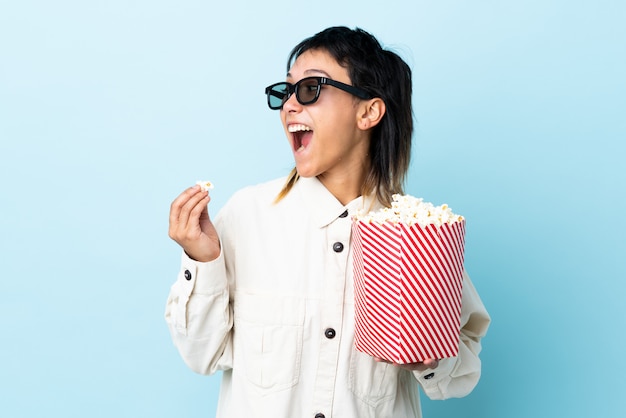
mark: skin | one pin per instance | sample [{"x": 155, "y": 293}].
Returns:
[{"x": 336, "y": 152}]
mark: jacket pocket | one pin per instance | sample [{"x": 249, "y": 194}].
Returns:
[
  {"x": 268, "y": 336},
  {"x": 373, "y": 383}
]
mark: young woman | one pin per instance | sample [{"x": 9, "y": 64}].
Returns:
[{"x": 265, "y": 293}]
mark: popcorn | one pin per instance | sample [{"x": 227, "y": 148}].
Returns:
[
  {"x": 408, "y": 280},
  {"x": 411, "y": 210},
  {"x": 205, "y": 185}
]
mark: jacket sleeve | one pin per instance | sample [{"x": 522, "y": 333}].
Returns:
[
  {"x": 457, "y": 376},
  {"x": 199, "y": 315}
]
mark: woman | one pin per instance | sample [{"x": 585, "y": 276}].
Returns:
[{"x": 265, "y": 293}]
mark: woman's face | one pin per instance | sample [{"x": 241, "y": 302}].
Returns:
[{"x": 324, "y": 136}]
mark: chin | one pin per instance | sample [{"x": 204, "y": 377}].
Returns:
[{"x": 306, "y": 171}]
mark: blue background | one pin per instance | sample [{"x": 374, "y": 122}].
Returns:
[{"x": 108, "y": 109}]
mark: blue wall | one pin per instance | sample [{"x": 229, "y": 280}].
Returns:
[{"x": 109, "y": 109}]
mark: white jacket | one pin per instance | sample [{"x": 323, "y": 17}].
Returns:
[{"x": 275, "y": 312}]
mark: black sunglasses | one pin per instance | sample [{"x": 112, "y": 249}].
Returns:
[{"x": 307, "y": 91}]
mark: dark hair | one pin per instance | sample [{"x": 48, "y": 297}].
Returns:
[{"x": 382, "y": 73}]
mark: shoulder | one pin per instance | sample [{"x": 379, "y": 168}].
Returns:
[
  {"x": 251, "y": 208},
  {"x": 254, "y": 197},
  {"x": 264, "y": 192}
]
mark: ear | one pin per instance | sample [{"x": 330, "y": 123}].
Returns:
[{"x": 370, "y": 113}]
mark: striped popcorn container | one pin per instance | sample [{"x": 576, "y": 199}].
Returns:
[{"x": 408, "y": 282}]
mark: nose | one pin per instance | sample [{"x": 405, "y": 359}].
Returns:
[{"x": 292, "y": 104}]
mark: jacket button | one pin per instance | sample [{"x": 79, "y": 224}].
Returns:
[
  {"x": 429, "y": 376},
  {"x": 320, "y": 415},
  {"x": 330, "y": 333},
  {"x": 338, "y": 247},
  {"x": 187, "y": 275},
  {"x": 343, "y": 215}
]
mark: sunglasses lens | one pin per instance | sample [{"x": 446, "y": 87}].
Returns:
[
  {"x": 308, "y": 90},
  {"x": 277, "y": 95}
]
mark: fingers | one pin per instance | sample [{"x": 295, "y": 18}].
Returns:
[
  {"x": 421, "y": 366},
  {"x": 191, "y": 227},
  {"x": 194, "y": 207},
  {"x": 431, "y": 363},
  {"x": 185, "y": 212}
]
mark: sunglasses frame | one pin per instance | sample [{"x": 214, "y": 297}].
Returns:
[{"x": 294, "y": 88}]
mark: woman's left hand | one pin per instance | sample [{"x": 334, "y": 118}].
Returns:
[{"x": 415, "y": 367}]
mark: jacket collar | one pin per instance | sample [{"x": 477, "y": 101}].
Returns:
[{"x": 324, "y": 208}]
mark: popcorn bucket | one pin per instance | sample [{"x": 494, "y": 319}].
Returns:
[{"x": 408, "y": 283}]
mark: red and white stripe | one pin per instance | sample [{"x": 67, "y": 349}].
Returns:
[{"x": 408, "y": 285}]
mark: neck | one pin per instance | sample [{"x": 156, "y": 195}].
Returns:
[{"x": 345, "y": 187}]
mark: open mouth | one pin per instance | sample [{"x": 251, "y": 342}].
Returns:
[{"x": 301, "y": 135}]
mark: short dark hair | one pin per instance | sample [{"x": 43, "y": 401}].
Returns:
[{"x": 383, "y": 74}]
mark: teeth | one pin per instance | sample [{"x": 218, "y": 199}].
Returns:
[{"x": 298, "y": 128}]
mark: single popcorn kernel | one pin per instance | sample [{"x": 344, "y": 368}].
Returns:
[{"x": 205, "y": 185}]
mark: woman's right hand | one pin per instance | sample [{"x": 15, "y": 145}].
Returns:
[{"x": 191, "y": 227}]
